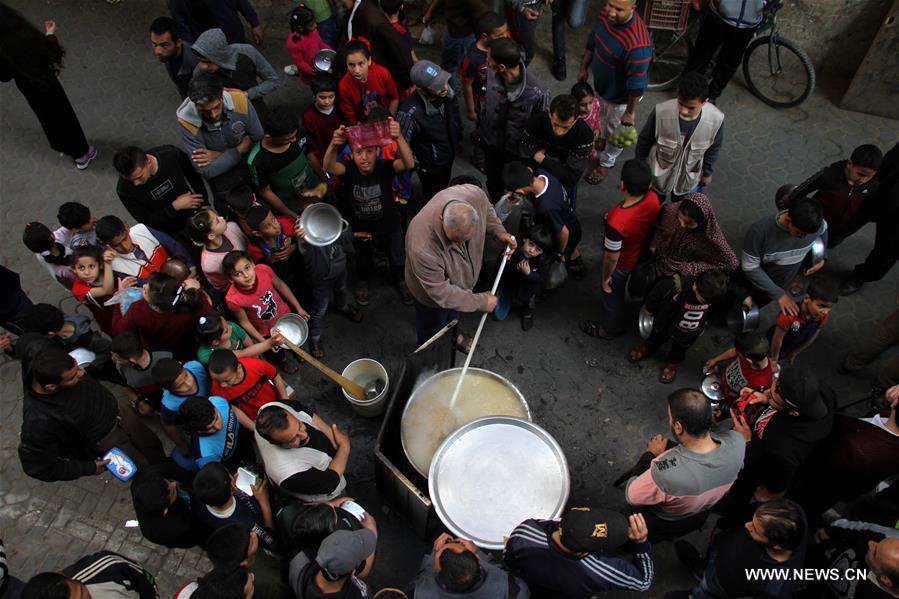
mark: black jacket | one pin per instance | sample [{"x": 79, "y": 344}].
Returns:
[
  {"x": 388, "y": 48},
  {"x": 56, "y": 442},
  {"x": 566, "y": 156},
  {"x": 115, "y": 572},
  {"x": 433, "y": 132}
]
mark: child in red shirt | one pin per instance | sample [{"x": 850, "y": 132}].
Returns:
[
  {"x": 247, "y": 384},
  {"x": 364, "y": 85},
  {"x": 745, "y": 365},
  {"x": 95, "y": 283},
  {"x": 303, "y": 42},
  {"x": 257, "y": 299},
  {"x": 791, "y": 335}
]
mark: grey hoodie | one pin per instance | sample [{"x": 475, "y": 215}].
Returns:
[{"x": 244, "y": 66}]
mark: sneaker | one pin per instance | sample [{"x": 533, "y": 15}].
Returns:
[
  {"x": 850, "y": 285},
  {"x": 558, "y": 69},
  {"x": 292, "y": 70},
  {"x": 83, "y": 162}
]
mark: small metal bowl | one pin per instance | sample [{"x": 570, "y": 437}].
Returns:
[
  {"x": 323, "y": 60},
  {"x": 743, "y": 320},
  {"x": 711, "y": 388},
  {"x": 294, "y": 328},
  {"x": 644, "y": 322},
  {"x": 322, "y": 224}
]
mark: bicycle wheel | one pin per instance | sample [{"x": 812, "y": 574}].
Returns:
[
  {"x": 671, "y": 50},
  {"x": 778, "y": 72}
]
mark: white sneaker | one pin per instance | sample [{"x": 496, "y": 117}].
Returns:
[{"x": 292, "y": 70}]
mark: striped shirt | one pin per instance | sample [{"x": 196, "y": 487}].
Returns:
[
  {"x": 545, "y": 567},
  {"x": 621, "y": 57}
]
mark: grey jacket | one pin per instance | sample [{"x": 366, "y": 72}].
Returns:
[
  {"x": 504, "y": 114},
  {"x": 242, "y": 62},
  {"x": 238, "y": 119}
]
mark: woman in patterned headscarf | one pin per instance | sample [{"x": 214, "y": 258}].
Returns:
[{"x": 688, "y": 240}]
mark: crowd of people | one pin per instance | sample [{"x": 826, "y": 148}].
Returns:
[{"x": 184, "y": 296}]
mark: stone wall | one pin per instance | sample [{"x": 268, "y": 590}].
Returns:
[{"x": 835, "y": 33}]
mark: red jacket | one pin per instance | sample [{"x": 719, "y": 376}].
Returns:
[{"x": 356, "y": 99}]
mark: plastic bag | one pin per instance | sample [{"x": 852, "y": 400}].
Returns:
[
  {"x": 428, "y": 36},
  {"x": 624, "y": 136},
  {"x": 369, "y": 134},
  {"x": 124, "y": 298}
]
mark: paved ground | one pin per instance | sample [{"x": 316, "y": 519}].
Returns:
[{"x": 599, "y": 407}]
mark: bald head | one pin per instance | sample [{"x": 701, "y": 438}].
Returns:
[
  {"x": 460, "y": 221},
  {"x": 883, "y": 558},
  {"x": 620, "y": 11}
]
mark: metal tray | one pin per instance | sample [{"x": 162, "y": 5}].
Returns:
[{"x": 494, "y": 473}]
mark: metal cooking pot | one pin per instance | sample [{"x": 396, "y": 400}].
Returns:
[
  {"x": 816, "y": 253},
  {"x": 711, "y": 388},
  {"x": 294, "y": 328},
  {"x": 743, "y": 320},
  {"x": 323, "y": 60},
  {"x": 644, "y": 322},
  {"x": 322, "y": 224},
  {"x": 426, "y": 423}
]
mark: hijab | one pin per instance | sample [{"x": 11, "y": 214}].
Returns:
[{"x": 691, "y": 252}]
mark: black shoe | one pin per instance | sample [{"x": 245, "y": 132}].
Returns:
[
  {"x": 527, "y": 320},
  {"x": 558, "y": 69},
  {"x": 850, "y": 286},
  {"x": 689, "y": 557}
]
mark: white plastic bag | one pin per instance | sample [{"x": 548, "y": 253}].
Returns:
[
  {"x": 624, "y": 136},
  {"x": 428, "y": 35}
]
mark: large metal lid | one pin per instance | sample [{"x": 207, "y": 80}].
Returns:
[{"x": 494, "y": 473}]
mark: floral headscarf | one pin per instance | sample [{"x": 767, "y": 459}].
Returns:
[{"x": 691, "y": 252}]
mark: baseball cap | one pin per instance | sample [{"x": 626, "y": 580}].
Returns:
[
  {"x": 342, "y": 551},
  {"x": 429, "y": 76},
  {"x": 588, "y": 530},
  {"x": 801, "y": 391}
]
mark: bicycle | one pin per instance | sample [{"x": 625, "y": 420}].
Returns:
[{"x": 776, "y": 69}]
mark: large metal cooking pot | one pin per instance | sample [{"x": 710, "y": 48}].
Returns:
[
  {"x": 741, "y": 319},
  {"x": 426, "y": 419}
]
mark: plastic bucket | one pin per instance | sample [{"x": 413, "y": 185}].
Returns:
[{"x": 363, "y": 372}]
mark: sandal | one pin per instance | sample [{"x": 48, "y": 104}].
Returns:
[
  {"x": 286, "y": 364},
  {"x": 317, "y": 350},
  {"x": 463, "y": 343},
  {"x": 351, "y": 312},
  {"x": 361, "y": 295},
  {"x": 641, "y": 352},
  {"x": 597, "y": 175},
  {"x": 668, "y": 373},
  {"x": 594, "y": 329}
]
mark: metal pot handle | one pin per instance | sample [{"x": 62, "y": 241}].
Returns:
[{"x": 344, "y": 225}]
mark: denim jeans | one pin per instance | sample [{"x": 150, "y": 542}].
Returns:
[
  {"x": 429, "y": 320},
  {"x": 565, "y": 13},
  {"x": 454, "y": 51},
  {"x": 708, "y": 588},
  {"x": 321, "y": 298},
  {"x": 611, "y": 118},
  {"x": 327, "y": 29}
]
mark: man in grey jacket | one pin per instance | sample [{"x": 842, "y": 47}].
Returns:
[
  {"x": 239, "y": 66},
  {"x": 218, "y": 129},
  {"x": 513, "y": 96}
]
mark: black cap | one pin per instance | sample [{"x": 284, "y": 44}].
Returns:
[
  {"x": 801, "y": 391},
  {"x": 590, "y": 530}
]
